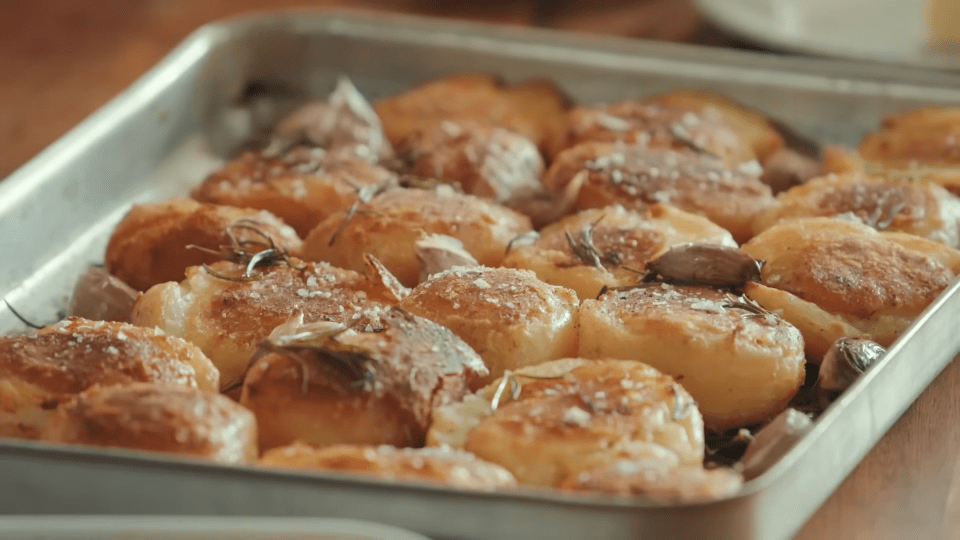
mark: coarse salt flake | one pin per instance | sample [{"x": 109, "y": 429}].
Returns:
[{"x": 576, "y": 416}]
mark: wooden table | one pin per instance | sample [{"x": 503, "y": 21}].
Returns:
[{"x": 62, "y": 59}]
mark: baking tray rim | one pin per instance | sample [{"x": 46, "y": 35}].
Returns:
[{"x": 194, "y": 49}]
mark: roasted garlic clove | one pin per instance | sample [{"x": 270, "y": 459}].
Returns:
[
  {"x": 439, "y": 252},
  {"x": 843, "y": 363},
  {"x": 773, "y": 441},
  {"x": 393, "y": 289},
  {"x": 706, "y": 264},
  {"x": 99, "y": 296},
  {"x": 345, "y": 124},
  {"x": 786, "y": 168}
]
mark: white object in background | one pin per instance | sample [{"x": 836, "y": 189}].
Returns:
[{"x": 881, "y": 30}]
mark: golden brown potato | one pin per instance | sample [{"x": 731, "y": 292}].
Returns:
[
  {"x": 742, "y": 365},
  {"x": 375, "y": 384},
  {"x": 637, "y": 177},
  {"x": 302, "y": 187},
  {"x": 818, "y": 328},
  {"x": 786, "y": 168},
  {"x": 149, "y": 246},
  {"x": 652, "y": 124},
  {"x": 922, "y": 209},
  {"x": 841, "y": 160},
  {"x": 920, "y": 145},
  {"x": 560, "y": 418},
  {"x": 877, "y": 282},
  {"x": 390, "y": 225},
  {"x": 229, "y": 318},
  {"x": 454, "y": 468},
  {"x": 925, "y": 136},
  {"x": 345, "y": 125},
  {"x": 752, "y": 126},
  {"x": 535, "y": 109},
  {"x": 486, "y": 161},
  {"x": 657, "y": 480},
  {"x": 41, "y": 369},
  {"x": 511, "y": 318},
  {"x": 610, "y": 247},
  {"x": 157, "y": 418}
]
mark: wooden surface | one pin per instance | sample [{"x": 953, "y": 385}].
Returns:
[{"x": 62, "y": 59}]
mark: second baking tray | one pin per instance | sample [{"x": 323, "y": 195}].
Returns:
[{"x": 230, "y": 79}]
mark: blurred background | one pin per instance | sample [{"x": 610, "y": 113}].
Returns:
[{"x": 62, "y": 59}]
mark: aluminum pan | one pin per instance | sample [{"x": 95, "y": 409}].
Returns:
[
  {"x": 194, "y": 528},
  {"x": 167, "y": 129}
]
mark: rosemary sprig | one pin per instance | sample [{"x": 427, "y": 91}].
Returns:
[
  {"x": 310, "y": 348},
  {"x": 364, "y": 195},
  {"x": 418, "y": 182},
  {"x": 523, "y": 240},
  {"x": 23, "y": 319},
  {"x": 586, "y": 250},
  {"x": 264, "y": 253}
]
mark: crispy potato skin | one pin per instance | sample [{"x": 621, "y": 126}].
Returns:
[
  {"x": 444, "y": 466},
  {"x": 927, "y": 136},
  {"x": 390, "y": 225},
  {"x": 573, "y": 415},
  {"x": 637, "y": 176},
  {"x": 170, "y": 419},
  {"x": 229, "y": 319},
  {"x": 923, "y": 209},
  {"x": 487, "y": 161},
  {"x": 511, "y": 318},
  {"x": 535, "y": 109},
  {"x": 44, "y": 368},
  {"x": 625, "y": 240},
  {"x": 414, "y": 366},
  {"x": 877, "y": 281},
  {"x": 302, "y": 187},
  {"x": 656, "y": 480},
  {"x": 752, "y": 126},
  {"x": 648, "y": 123},
  {"x": 149, "y": 246},
  {"x": 740, "y": 367}
]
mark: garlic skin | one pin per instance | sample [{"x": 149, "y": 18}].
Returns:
[
  {"x": 706, "y": 264},
  {"x": 774, "y": 441},
  {"x": 99, "y": 296},
  {"x": 439, "y": 252},
  {"x": 846, "y": 360}
]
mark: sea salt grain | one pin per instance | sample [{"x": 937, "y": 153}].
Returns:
[{"x": 576, "y": 416}]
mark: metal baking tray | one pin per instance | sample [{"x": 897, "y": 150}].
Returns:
[
  {"x": 195, "y": 528},
  {"x": 228, "y": 79}
]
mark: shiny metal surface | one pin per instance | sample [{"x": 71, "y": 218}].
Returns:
[
  {"x": 178, "y": 121},
  {"x": 194, "y": 528}
]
